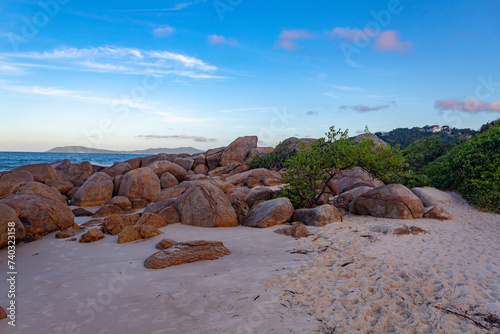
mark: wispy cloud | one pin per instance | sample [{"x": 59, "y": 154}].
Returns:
[
  {"x": 248, "y": 109},
  {"x": 219, "y": 39},
  {"x": 348, "y": 88},
  {"x": 178, "y": 6},
  {"x": 312, "y": 113},
  {"x": 363, "y": 108},
  {"x": 75, "y": 95},
  {"x": 287, "y": 39},
  {"x": 468, "y": 105},
  {"x": 331, "y": 94},
  {"x": 181, "y": 136},
  {"x": 352, "y": 34},
  {"x": 163, "y": 31},
  {"x": 118, "y": 60}
]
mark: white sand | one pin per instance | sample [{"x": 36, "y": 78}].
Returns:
[{"x": 393, "y": 285}]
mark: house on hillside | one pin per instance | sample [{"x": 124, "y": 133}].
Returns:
[{"x": 432, "y": 128}]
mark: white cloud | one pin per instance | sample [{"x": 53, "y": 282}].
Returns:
[
  {"x": 348, "y": 88},
  {"x": 119, "y": 60},
  {"x": 163, "y": 31}
]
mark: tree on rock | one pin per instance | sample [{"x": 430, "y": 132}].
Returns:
[{"x": 310, "y": 170}]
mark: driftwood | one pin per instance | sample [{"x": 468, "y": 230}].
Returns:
[{"x": 492, "y": 320}]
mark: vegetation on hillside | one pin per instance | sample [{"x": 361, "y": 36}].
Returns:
[
  {"x": 473, "y": 169},
  {"x": 276, "y": 160},
  {"x": 405, "y": 137}
]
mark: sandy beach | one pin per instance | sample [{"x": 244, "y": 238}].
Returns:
[{"x": 343, "y": 278}]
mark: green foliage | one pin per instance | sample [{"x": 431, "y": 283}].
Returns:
[
  {"x": 424, "y": 151},
  {"x": 275, "y": 160},
  {"x": 405, "y": 137},
  {"x": 473, "y": 169},
  {"x": 408, "y": 178},
  {"x": 310, "y": 170}
]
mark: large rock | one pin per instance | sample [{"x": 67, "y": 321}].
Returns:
[
  {"x": 96, "y": 191},
  {"x": 253, "y": 178},
  {"x": 186, "y": 252},
  {"x": 152, "y": 219},
  {"x": 169, "y": 193},
  {"x": 92, "y": 235},
  {"x": 163, "y": 166},
  {"x": 436, "y": 212},
  {"x": 349, "y": 196},
  {"x": 42, "y": 190},
  {"x": 115, "y": 224},
  {"x": 40, "y": 172},
  {"x": 121, "y": 201},
  {"x": 64, "y": 169},
  {"x": 167, "y": 180},
  {"x": 293, "y": 143},
  {"x": 432, "y": 196},
  {"x": 269, "y": 213},
  {"x": 9, "y": 222},
  {"x": 62, "y": 186},
  {"x": 390, "y": 201},
  {"x": 377, "y": 141},
  {"x": 205, "y": 204},
  {"x": 11, "y": 181},
  {"x": 39, "y": 215},
  {"x": 213, "y": 158},
  {"x": 356, "y": 177},
  {"x": 185, "y": 163},
  {"x": 140, "y": 183},
  {"x": 260, "y": 152},
  {"x": 133, "y": 233},
  {"x": 239, "y": 150},
  {"x": 318, "y": 216},
  {"x": 119, "y": 168},
  {"x": 107, "y": 210},
  {"x": 257, "y": 195}
]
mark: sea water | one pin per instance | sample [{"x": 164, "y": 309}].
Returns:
[{"x": 11, "y": 160}]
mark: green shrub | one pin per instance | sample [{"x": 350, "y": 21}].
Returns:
[
  {"x": 473, "y": 169},
  {"x": 275, "y": 160},
  {"x": 424, "y": 151},
  {"x": 310, "y": 170}
]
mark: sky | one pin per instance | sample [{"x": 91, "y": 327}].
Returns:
[{"x": 128, "y": 75}]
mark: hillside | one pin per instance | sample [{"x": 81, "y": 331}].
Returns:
[
  {"x": 405, "y": 137},
  {"x": 82, "y": 149}
]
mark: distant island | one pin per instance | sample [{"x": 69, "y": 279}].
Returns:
[{"x": 82, "y": 149}]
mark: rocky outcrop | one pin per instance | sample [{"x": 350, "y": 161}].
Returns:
[
  {"x": 185, "y": 163},
  {"x": 42, "y": 190},
  {"x": 349, "y": 196},
  {"x": 41, "y": 172},
  {"x": 269, "y": 213},
  {"x": 92, "y": 235},
  {"x": 238, "y": 151},
  {"x": 169, "y": 193},
  {"x": 9, "y": 222},
  {"x": 391, "y": 201},
  {"x": 376, "y": 140},
  {"x": 140, "y": 183},
  {"x": 39, "y": 215},
  {"x": 62, "y": 186},
  {"x": 96, "y": 191},
  {"x": 205, "y": 204},
  {"x": 201, "y": 170},
  {"x": 11, "y": 181},
  {"x": 186, "y": 252},
  {"x": 294, "y": 143},
  {"x": 318, "y": 216},
  {"x": 432, "y": 196},
  {"x": 165, "y": 243}
]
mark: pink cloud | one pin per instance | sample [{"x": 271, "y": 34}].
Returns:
[
  {"x": 288, "y": 37},
  {"x": 467, "y": 105},
  {"x": 219, "y": 39},
  {"x": 389, "y": 41},
  {"x": 363, "y": 108}
]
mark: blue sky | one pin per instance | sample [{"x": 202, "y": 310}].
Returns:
[{"x": 130, "y": 75}]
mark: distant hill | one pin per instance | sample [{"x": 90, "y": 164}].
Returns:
[
  {"x": 405, "y": 137},
  {"x": 149, "y": 151}
]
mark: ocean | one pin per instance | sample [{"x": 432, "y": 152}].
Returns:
[{"x": 11, "y": 160}]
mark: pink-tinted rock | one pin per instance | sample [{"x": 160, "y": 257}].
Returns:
[
  {"x": 9, "y": 222},
  {"x": 269, "y": 213},
  {"x": 163, "y": 166},
  {"x": 167, "y": 180},
  {"x": 140, "y": 183},
  {"x": 436, "y": 212},
  {"x": 239, "y": 150},
  {"x": 318, "y": 216},
  {"x": 96, "y": 191},
  {"x": 108, "y": 210},
  {"x": 120, "y": 201},
  {"x": 152, "y": 220},
  {"x": 11, "y": 181},
  {"x": 92, "y": 235},
  {"x": 40, "y": 172}
]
